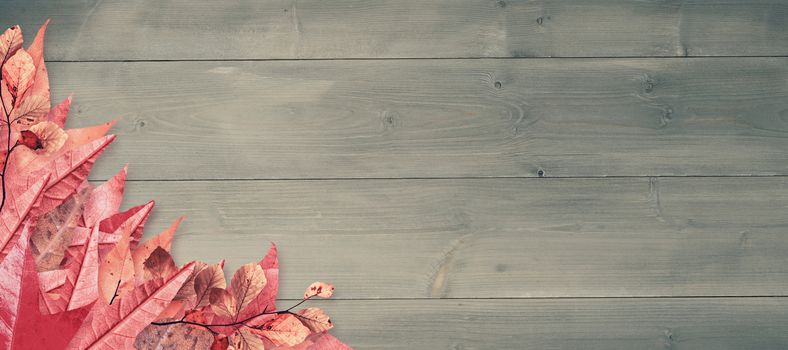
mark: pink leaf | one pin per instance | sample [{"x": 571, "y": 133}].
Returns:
[
  {"x": 246, "y": 284},
  {"x": 10, "y": 41},
  {"x": 104, "y": 200},
  {"x": 116, "y": 271},
  {"x": 320, "y": 289},
  {"x": 133, "y": 219},
  {"x": 81, "y": 285},
  {"x": 266, "y": 300},
  {"x": 245, "y": 339},
  {"x": 16, "y": 212},
  {"x": 159, "y": 265},
  {"x": 285, "y": 329},
  {"x": 315, "y": 319},
  {"x": 55, "y": 231},
  {"x": 41, "y": 84},
  {"x": 18, "y": 74},
  {"x": 116, "y": 326},
  {"x": 223, "y": 303},
  {"x": 16, "y": 266},
  {"x": 59, "y": 113}
]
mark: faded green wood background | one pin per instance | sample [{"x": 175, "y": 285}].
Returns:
[{"x": 486, "y": 174}]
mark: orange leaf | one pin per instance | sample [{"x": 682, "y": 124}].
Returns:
[
  {"x": 285, "y": 329},
  {"x": 143, "y": 251},
  {"x": 222, "y": 302},
  {"x": 116, "y": 271},
  {"x": 159, "y": 265},
  {"x": 320, "y": 289},
  {"x": 246, "y": 284},
  {"x": 315, "y": 319},
  {"x": 10, "y": 41},
  {"x": 116, "y": 326},
  {"x": 104, "y": 200},
  {"x": 18, "y": 74}
]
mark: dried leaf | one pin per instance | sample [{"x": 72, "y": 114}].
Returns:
[
  {"x": 173, "y": 337},
  {"x": 116, "y": 271},
  {"x": 222, "y": 302},
  {"x": 320, "y": 289},
  {"x": 210, "y": 277},
  {"x": 244, "y": 339},
  {"x": 246, "y": 284},
  {"x": 116, "y": 326},
  {"x": 315, "y": 319},
  {"x": 143, "y": 251},
  {"x": 10, "y": 42},
  {"x": 104, "y": 200},
  {"x": 285, "y": 329},
  {"x": 18, "y": 74},
  {"x": 54, "y": 232},
  {"x": 159, "y": 265},
  {"x": 50, "y": 135}
]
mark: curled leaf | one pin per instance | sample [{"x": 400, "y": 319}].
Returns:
[
  {"x": 50, "y": 137},
  {"x": 320, "y": 289}
]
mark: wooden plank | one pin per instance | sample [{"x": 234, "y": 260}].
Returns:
[
  {"x": 484, "y": 238},
  {"x": 290, "y": 29},
  {"x": 727, "y": 323},
  {"x": 436, "y": 118}
]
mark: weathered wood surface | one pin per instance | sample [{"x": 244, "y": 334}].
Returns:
[
  {"x": 437, "y": 118},
  {"x": 697, "y": 323},
  {"x": 253, "y": 29},
  {"x": 624, "y": 237}
]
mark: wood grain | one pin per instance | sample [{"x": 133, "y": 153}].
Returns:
[
  {"x": 697, "y": 323},
  {"x": 436, "y": 118},
  {"x": 290, "y": 29},
  {"x": 488, "y": 238}
]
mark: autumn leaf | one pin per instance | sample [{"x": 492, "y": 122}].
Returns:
[
  {"x": 59, "y": 113},
  {"x": 18, "y": 74},
  {"x": 31, "y": 110},
  {"x": 116, "y": 271},
  {"x": 285, "y": 329},
  {"x": 143, "y": 251},
  {"x": 159, "y": 265},
  {"x": 54, "y": 232},
  {"x": 246, "y": 339},
  {"x": 315, "y": 319},
  {"x": 266, "y": 300},
  {"x": 116, "y": 326},
  {"x": 10, "y": 42},
  {"x": 51, "y": 137},
  {"x": 320, "y": 289},
  {"x": 15, "y": 267},
  {"x": 222, "y": 302},
  {"x": 104, "y": 200},
  {"x": 16, "y": 210},
  {"x": 133, "y": 219},
  {"x": 80, "y": 287},
  {"x": 212, "y": 276},
  {"x": 246, "y": 284},
  {"x": 40, "y": 86},
  {"x": 173, "y": 337}
]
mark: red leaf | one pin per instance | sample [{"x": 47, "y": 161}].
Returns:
[
  {"x": 104, "y": 200},
  {"x": 67, "y": 172},
  {"x": 133, "y": 219},
  {"x": 10, "y": 41},
  {"x": 18, "y": 74},
  {"x": 116, "y": 326},
  {"x": 81, "y": 285},
  {"x": 209, "y": 278},
  {"x": 59, "y": 113},
  {"x": 285, "y": 329},
  {"x": 17, "y": 209},
  {"x": 41, "y": 84},
  {"x": 220, "y": 342}
]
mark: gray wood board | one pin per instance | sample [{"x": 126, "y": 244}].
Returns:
[
  {"x": 697, "y": 323},
  {"x": 290, "y": 29},
  {"x": 436, "y": 118},
  {"x": 623, "y": 237}
]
